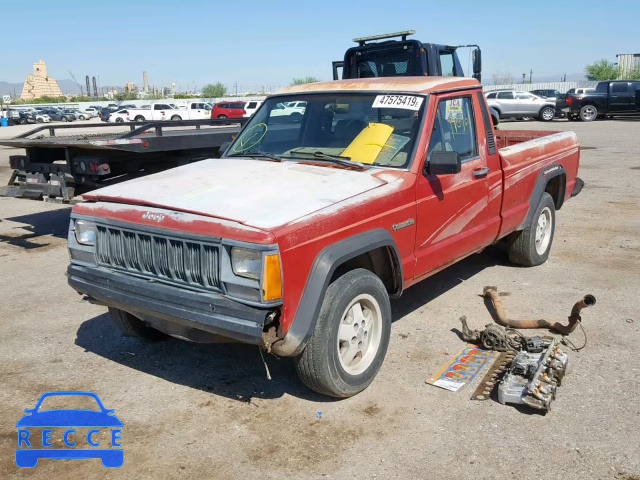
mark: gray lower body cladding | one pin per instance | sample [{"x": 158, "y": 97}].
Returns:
[{"x": 161, "y": 305}]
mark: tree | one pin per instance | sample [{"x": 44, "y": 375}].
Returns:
[
  {"x": 303, "y": 80},
  {"x": 216, "y": 90},
  {"x": 502, "y": 79},
  {"x": 125, "y": 96},
  {"x": 601, "y": 70}
]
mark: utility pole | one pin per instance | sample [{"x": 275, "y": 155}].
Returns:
[
  {"x": 530, "y": 75},
  {"x": 236, "y": 87}
]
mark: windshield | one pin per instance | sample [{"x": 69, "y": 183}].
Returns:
[{"x": 371, "y": 129}]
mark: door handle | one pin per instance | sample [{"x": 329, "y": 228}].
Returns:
[{"x": 481, "y": 172}]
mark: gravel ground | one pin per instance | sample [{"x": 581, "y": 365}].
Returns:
[{"x": 209, "y": 410}]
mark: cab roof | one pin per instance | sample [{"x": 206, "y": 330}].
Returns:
[{"x": 387, "y": 84}]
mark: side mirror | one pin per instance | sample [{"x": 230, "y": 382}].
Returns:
[
  {"x": 476, "y": 56},
  {"x": 443, "y": 163}
]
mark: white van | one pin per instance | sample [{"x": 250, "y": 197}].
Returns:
[{"x": 251, "y": 106}]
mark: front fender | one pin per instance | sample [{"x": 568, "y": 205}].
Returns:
[{"x": 323, "y": 268}]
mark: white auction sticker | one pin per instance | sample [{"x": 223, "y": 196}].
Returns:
[{"x": 408, "y": 102}]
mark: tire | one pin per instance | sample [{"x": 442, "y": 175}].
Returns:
[
  {"x": 64, "y": 119},
  {"x": 82, "y": 117},
  {"x": 39, "y": 120},
  {"x": 547, "y": 114},
  {"x": 532, "y": 245},
  {"x": 326, "y": 365},
  {"x": 499, "y": 113},
  {"x": 176, "y": 117},
  {"x": 222, "y": 116},
  {"x": 22, "y": 121},
  {"x": 119, "y": 120},
  {"x": 132, "y": 326},
  {"x": 139, "y": 118},
  {"x": 588, "y": 113}
]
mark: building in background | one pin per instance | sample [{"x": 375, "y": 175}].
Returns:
[
  {"x": 145, "y": 82},
  {"x": 39, "y": 84},
  {"x": 627, "y": 63},
  {"x": 130, "y": 87}
]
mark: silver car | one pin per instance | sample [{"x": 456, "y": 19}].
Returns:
[{"x": 515, "y": 104}]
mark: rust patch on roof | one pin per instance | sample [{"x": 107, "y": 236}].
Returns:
[{"x": 391, "y": 84}]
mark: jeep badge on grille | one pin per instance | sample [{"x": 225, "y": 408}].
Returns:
[{"x": 156, "y": 217}]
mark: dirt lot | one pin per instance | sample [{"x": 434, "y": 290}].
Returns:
[{"x": 209, "y": 410}]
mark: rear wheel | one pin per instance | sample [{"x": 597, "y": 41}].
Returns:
[
  {"x": 22, "y": 121},
  {"x": 351, "y": 336},
  {"x": 547, "y": 114},
  {"x": 588, "y": 113},
  {"x": 82, "y": 117},
  {"x": 176, "y": 117},
  {"x": 222, "y": 116},
  {"x": 132, "y": 326},
  {"x": 119, "y": 120},
  {"x": 139, "y": 118},
  {"x": 64, "y": 119},
  {"x": 532, "y": 245}
]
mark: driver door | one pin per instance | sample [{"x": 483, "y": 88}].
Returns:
[{"x": 452, "y": 209}]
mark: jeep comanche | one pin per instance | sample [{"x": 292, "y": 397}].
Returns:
[{"x": 296, "y": 239}]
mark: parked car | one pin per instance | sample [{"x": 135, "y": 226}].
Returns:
[
  {"x": 251, "y": 106},
  {"x": 228, "y": 110},
  {"x": 296, "y": 239},
  {"x": 119, "y": 116},
  {"x": 25, "y": 117},
  {"x": 613, "y": 98},
  {"x": 92, "y": 112},
  {"x": 289, "y": 108},
  {"x": 157, "y": 111},
  {"x": 105, "y": 112},
  {"x": 59, "y": 115},
  {"x": 516, "y": 104},
  {"x": 545, "y": 93},
  {"x": 41, "y": 117}
]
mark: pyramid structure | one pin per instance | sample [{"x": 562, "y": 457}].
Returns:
[{"x": 39, "y": 84}]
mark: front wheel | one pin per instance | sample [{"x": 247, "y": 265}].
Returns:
[
  {"x": 139, "y": 118},
  {"x": 351, "y": 336},
  {"x": 532, "y": 245},
  {"x": 222, "y": 116},
  {"x": 81, "y": 117},
  {"x": 547, "y": 114},
  {"x": 588, "y": 113}
]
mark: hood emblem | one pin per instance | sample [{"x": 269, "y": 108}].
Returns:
[{"x": 156, "y": 217}]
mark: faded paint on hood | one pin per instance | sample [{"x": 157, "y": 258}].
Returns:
[{"x": 262, "y": 194}]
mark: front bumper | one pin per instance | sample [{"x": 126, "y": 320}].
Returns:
[{"x": 178, "y": 311}]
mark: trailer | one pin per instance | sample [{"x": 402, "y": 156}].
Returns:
[{"x": 67, "y": 162}]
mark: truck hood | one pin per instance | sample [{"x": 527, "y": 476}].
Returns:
[{"x": 261, "y": 194}]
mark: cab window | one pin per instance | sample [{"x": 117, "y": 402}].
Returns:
[
  {"x": 505, "y": 95},
  {"x": 454, "y": 129}
]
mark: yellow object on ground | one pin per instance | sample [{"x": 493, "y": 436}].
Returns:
[{"x": 366, "y": 147}]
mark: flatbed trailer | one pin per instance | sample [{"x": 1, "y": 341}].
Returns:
[{"x": 67, "y": 162}]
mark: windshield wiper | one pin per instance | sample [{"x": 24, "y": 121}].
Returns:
[
  {"x": 337, "y": 159},
  {"x": 269, "y": 155}
]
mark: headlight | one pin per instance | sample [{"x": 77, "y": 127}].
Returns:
[
  {"x": 85, "y": 232},
  {"x": 246, "y": 263}
]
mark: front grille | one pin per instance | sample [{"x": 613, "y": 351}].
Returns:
[{"x": 171, "y": 259}]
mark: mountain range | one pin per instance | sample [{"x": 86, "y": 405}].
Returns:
[{"x": 67, "y": 86}]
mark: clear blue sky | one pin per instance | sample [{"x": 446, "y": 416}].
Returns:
[{"x": 270, "y": 42}]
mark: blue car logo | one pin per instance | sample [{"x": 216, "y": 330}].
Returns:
[{"x": 29, "y": 452}]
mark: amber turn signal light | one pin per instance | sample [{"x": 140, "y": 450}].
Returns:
[{"x": 272, "y": 279}]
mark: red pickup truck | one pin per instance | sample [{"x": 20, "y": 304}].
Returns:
[{"x": 296, "y": 239}]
